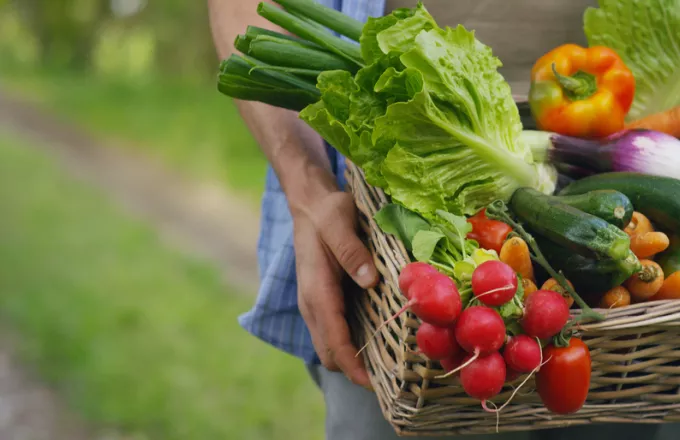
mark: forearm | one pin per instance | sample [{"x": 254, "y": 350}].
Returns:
[{"x": 295, "y": 151}]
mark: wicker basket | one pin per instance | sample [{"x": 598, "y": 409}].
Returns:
[{"x": 635, "y": 357}]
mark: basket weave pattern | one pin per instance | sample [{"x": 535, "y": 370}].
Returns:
[{"x": 635, "y": 357}]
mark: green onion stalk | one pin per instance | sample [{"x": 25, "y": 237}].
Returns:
[
  {"x": 240, "y": 78},
  {"x": 282, "y": 69}
]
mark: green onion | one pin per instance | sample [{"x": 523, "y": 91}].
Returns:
[
  {"x": 309, "y": 21},
  {"x": 293, "y": 70},
  {"x": 237, "y": 66},
  {"x": 282, "y": 70},
  {"x": 323, "y": 15},
  {"x": 242, "y": 44},
  {"x": 253, "y": 32},
  {"x": 243, "y": 66},
  {"x": 243, "y": 77},
  {"x": 313, "y": 33},
  {"x": 290, "y": 99},
  {"x": 286, "y": 53}
]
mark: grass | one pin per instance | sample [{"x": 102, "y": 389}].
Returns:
[
  {"x": 192, "y": 127},
  {"x": 134, "y": 335}
]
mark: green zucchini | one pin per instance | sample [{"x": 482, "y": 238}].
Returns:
[
  {"x": 565, "y": 225},
  {"x": 609, "y": 205},
  {"x": 656, "y": 197},
  {"x": 591, "y": 277}
]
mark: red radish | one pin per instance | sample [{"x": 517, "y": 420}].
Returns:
[
  {"x": 453, "y": 362},
  {"x": 511, "y": 374},
  {"x": 522, "y": 354},
  {"x": 412, "y": 272},
  {"x": 494, "y": 283},
  {"x": 434, "y": 299},
  {"x": 518, "y": 354},
  {"x": 545, "y": 314},
  {"x": 436, "y": 342},
  {"x": 480, "y": 329},
  {"x": 484, "y": 377}
]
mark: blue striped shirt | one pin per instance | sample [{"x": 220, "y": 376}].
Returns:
[{"x": 275, "y": 317}]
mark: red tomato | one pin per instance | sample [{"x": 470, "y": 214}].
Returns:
[
  {"x": 490, "y": 234},
  {"x": 563, "y": 382}
]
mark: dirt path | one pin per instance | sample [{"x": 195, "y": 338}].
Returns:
[
  {"x": 199, "y": 218},
  {"x": 31, "y": 411}
]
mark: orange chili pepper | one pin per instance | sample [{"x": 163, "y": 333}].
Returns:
[{"x": 582, "y": 92}]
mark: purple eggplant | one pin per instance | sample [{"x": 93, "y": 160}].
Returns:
[{"x": 638, "y": 150}]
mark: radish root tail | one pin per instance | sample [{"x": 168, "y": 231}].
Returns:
[
  {"x": 392, "y": 318},
  {"x": 452, "y": 372},
  {"x": 497, "y": 410}
]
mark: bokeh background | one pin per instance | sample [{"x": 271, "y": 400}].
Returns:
[{"x": 129, "y": 202}]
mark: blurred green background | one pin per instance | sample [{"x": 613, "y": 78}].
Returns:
[
  {"x": 144, "y": 73},
  {"x": 135, "y": 335}
]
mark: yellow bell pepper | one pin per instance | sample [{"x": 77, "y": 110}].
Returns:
[{"x": 583, "y": 92}]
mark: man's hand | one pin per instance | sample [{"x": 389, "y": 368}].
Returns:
[
  {"x": 326, "y": 243},
  {"x": 326, "y": 248}
]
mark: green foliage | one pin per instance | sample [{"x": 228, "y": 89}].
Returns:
[
  {"x": 194, "y": 129},
  {"x": 144, "y": 83},
  {"x": 79, "y": 35},
  {"x": 184, "y": 46},
  {"x": 136, "y": 336},
  {"x": 429, "y": 118},
  {"x": 65, "y": 30}
]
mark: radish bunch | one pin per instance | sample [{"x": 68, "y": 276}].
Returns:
[
  {"x": 471, "y": 340},
  {"x": 433, "y": 297}
]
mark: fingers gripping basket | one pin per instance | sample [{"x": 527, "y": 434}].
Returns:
[{"x": 635, "y": 357}]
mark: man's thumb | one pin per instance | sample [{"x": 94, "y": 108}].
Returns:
[{"x": 351, "y": 253}]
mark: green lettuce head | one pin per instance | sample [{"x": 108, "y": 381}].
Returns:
[{"x": 429, "y": 118}]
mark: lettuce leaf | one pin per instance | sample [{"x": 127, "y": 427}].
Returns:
[
  {"x": 400, "y": 222},
  {"x": 425, "y": 243},
  {"x": 512, "y": 311},
  {"x": 441, "y": 242},
  {"x": 429, "y": 119},
  {"x": 646, "y": 35}
]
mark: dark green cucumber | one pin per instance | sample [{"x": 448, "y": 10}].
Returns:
[
  {"x": 591, "y": 277},
  {"x": 609, "y": 205},
  {"x": 572, "y": 228},
  {"x": 654, "y": 196}
]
